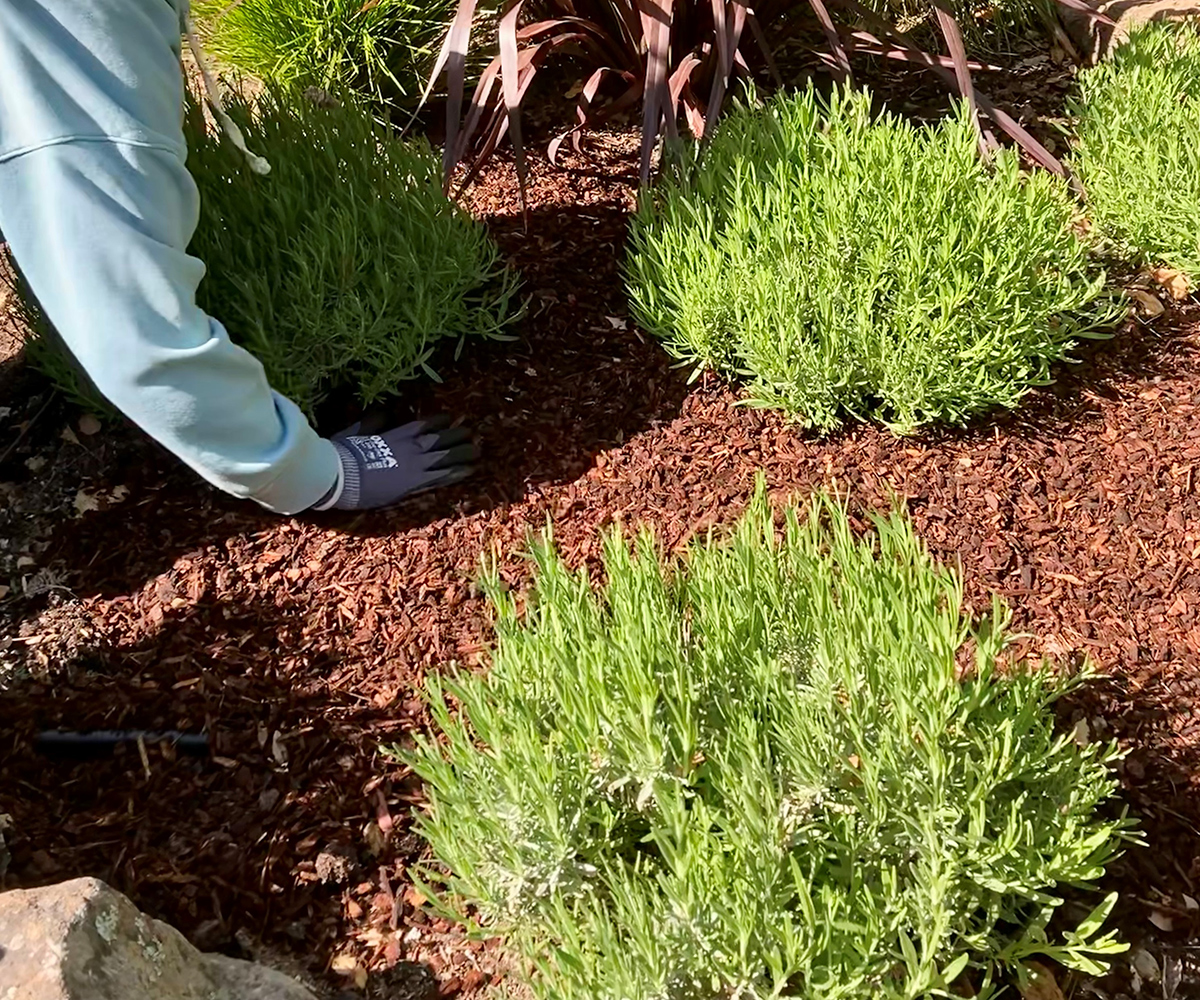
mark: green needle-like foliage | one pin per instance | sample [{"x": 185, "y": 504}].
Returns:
[
  {"x": 1139, "y": 145},
  {"x": 762, "y": 773},
  {"x": 382, "y": 48},
  {"x": 346, "y": 266},
  {"x": 43, "y": 347},
  {"x": 853, "y": 266}
]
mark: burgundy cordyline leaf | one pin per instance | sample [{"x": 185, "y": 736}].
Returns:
[
  {"x": 626, "y": 14},
  {"x": 511, "y": 84},
  {"x": 553, "y": 35},
  {"x": 868, "y": 44},
  {"x": 682, "y": 74},
  {"x": 729, "y": 21},
  {"x": 583, "y": 107},
  {"x": 722, "y": 29},
  {"x": 764, "y": 47},
  {"x": 679, "y": 86},
  {"x": 962, "y": 73},
  {"x": 584, "y": 113},
  {"x": 1026, "y": 141},
  {"x": 529, "y": 60},
  {"x": 841, "y": 61},
  {"x": 453, "y": 59},
  {"x": 1013, "y": 128},
  {"x": 656, "y": 27}
]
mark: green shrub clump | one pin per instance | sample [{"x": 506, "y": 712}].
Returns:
[
  {"x": 858, "y": 266},
  {"x": 383, "y": 48},
  {"x": 1138, "y": 151},
  {"x": 762, "y": 773},
  {"x": 346, "y": 266}
]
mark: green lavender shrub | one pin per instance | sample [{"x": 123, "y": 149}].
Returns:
[
  {"x": 1138, "y": 150},
  {"x": 383, "y": 48},
  {"x": 854, "y": 267},
  {"x": 44, "y": 350},
  {"x": 787, "y": 766},
  {"x": 346, "y": 266}
]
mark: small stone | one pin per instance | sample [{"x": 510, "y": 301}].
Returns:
[
  {"x": 1162, "y": 921},
  {"x": 1146, "y": 966},
  {"x": 278, "y": 749},
  {"x": 374, "y": 836},
  {"x": 336, "y": 864}
]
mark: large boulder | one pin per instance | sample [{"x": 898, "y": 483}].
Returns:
[
  {"x": 82, "y": 940},
  {"x": 1095, "y": 39}
]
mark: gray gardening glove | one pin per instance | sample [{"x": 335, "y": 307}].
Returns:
[{"x": 381, "y": 469}]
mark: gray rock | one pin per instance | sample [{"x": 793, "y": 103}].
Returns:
[
  {"x": 1095, "y": 40},
  {"x": 240, "y": 980},
  {"x": 81, "y": 940}
]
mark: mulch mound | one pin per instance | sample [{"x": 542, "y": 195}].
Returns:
[{"x": 298, "y": 644}]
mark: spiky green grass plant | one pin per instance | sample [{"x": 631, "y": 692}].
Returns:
[
  {"x": 1138, "y": 151},
  {"x": 857, "y": 267},
  {"x": 380, "y": 48},
  {"x": 346, "y": 266},
  {"x": 762, "y": 773}
]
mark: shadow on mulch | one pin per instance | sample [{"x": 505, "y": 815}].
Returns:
[
  {"x": 1158, "y": 882},
  {"x": 576, "y": 382},
  {"x": 273, "y": 734},
  {"x": 1101, "y": 370},
  {"x": 580, "y": 380}
]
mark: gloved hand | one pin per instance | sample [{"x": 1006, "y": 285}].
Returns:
[{"x": 381, "y": 469}]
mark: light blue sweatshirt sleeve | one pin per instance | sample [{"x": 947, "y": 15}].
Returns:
[{"x": 98, "y": 208}]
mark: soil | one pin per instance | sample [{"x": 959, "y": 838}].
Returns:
[{"x": 137, "y": 598}]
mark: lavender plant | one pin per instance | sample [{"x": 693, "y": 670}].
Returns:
[
  {"x": 346, "y": 267},
  {"x": 1138, "y": 149},
  {"x": 759, "y": 773},
  {"x": 859, "y": 267}
]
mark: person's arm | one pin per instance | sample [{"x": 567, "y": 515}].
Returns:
[{"x": 98, "y": 208}]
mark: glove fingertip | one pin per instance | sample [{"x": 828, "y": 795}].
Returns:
[
  {"x": 462, "y": 454},
  {"x": 457, "y": 475},
  {"x": 438, "y": 422}
]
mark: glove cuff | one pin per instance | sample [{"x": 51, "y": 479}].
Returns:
[
  {"x": 347, "y": 473},
  {"x": 335, "y": 491},
  {"x": 350, "y": 479}
]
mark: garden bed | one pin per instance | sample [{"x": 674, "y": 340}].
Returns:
[{"x": 298, "y": 643}]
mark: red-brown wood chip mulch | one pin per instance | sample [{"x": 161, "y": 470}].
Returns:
[{"x": 297, "y": 643}]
